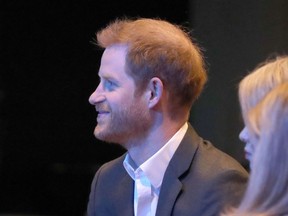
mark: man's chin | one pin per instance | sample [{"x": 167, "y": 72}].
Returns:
[
  {"x": 108, "y": 137},
  {"x": 99, "y": 134},
  {"x": 102, "y": 135}
]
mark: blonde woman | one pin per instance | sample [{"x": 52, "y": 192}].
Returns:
[
  {"x": 267, "y": 123},
  {"x": 254, "y": 87}
]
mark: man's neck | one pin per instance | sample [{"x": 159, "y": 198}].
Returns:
[{"x": 141, "y": 150}]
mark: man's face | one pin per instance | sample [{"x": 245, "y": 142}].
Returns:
[{"x": 121, "y": 115}]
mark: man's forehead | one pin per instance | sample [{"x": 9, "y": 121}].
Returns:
[{"x": 113, "y": 62}]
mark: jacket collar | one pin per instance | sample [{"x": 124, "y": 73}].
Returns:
[{"x": 179, "y": 164}]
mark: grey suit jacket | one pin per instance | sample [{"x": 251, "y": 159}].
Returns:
[{"x": 199, "y": 181}]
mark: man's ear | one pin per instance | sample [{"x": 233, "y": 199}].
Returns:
[{"x": 155, "y": 91}]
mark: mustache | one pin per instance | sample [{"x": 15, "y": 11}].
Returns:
[{"x": 102, "y": 107}]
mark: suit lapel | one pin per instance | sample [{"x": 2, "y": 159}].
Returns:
[
  {"x": 179, "y": 164},
  {"x": 123, "y": 196},
  {"x": 168, "y": 194},
  {"x": 125, "y": 202}
]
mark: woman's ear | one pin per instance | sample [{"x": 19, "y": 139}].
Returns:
[{"x": 155, "y": 91}]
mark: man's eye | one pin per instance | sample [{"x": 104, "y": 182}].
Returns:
[{"x": 109, "y": 85}]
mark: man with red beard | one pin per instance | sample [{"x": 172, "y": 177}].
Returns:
[{"x": 150, "y": 74}]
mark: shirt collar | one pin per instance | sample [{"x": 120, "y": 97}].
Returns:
[{"x": 154, "y": 168}]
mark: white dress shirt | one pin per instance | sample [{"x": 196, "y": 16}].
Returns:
[{"x": 149, "y": 175}]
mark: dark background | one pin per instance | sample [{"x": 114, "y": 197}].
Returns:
[
  {"x": 48, "y": 152},
  {"x": 48, "y": 70}
]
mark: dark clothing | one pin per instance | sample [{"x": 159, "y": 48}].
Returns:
[{"x": 199, "y": 181}]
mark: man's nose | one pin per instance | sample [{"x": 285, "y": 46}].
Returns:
[{"x": 96, "y": 97}]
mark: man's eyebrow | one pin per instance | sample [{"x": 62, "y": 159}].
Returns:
[{"x": 110, "y": 78}]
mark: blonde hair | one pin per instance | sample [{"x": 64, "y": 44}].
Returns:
[
  {"x": 157, "y": 48},
  {"x": 267, "y": 190},
  {"x": 261, "y": 111},
  {"x": 261, "y": 81}
]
